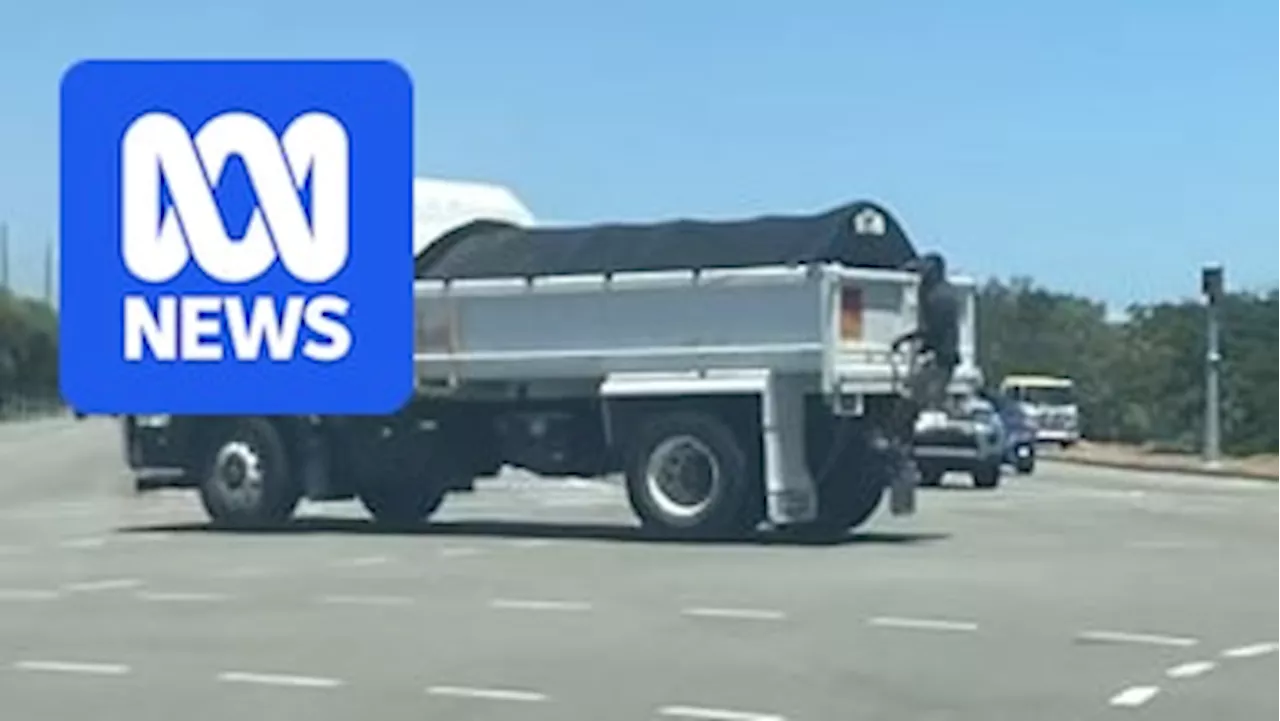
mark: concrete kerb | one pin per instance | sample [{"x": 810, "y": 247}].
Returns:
[{"x": 1165, "y": 467}]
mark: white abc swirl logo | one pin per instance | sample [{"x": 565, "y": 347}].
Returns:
[{"x": 157, "y": 244}]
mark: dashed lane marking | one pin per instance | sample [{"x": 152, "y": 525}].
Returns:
[
  {"x": 923, "y": 624},
  {"x": 530, "y": 543},
  {"x": 1252, "y": 650},
  {"x": 716, "y": 714},
  {"x": 28, "y": 594},
  {"x": 110, "y": 584},
  {"x": 1149, "y": 639},
  {"x": 491, "y": 694},
  {"x": 458, "y": 551},
  {"x": 367, "y": 600},
  {"x": 536, "y": 605},
  {"x": 1157, "y": 545},
  {"x": 84, "y": 543},
  {"x": 181, "y": 597},
  {"x": 273, "y": 679},
  {"x": 1190, "y": 669},
  {"x": 364, "y": 561},
  {"x": 100, "y": 669},
  {"x": 747, "y": 614},
  {"x": 1134, "y": 696}
]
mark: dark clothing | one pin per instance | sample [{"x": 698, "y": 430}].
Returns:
[{"x": 939, "y": 322}]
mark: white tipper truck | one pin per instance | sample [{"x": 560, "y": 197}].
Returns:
[{"x": 735, "y": 373}]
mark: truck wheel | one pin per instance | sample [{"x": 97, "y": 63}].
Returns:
[
  {"x": 688, "y": 475},
  {"x": 247, "y": 480},
  {"x": 846, "y": 503},
  {"x": 1025, "y": 466},
  {"x": 402, "y": 503},
  {"x": 986, "y": 475}
]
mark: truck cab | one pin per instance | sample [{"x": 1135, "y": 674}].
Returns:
[{"x": 1049, "y": 402}]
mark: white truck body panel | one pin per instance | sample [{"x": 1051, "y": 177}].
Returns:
[{"x": 781, "y": 319}]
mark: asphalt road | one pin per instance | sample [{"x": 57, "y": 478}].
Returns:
[{"x": 1073, "y": 594}]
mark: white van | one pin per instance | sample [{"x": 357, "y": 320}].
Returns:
[{"x": 1048, "y": 401}]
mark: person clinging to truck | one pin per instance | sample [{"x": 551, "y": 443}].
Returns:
[{"x": 937, "y": 331}]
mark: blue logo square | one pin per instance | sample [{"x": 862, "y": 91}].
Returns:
[{"x": 237, "y": 237}]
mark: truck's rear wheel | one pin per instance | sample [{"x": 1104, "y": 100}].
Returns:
[
  {"x": 688, "y": 475},
  {"x": 246, "y": 478},
  {"x": 402, "y": 503}
]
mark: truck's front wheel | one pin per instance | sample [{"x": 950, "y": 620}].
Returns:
[
  {"x": 688, "y": 475},
  {"x": 246, "y": 478}
]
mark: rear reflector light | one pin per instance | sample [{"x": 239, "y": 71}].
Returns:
[{"x": 850, "y": 314}]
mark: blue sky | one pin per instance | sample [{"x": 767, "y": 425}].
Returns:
[{"x": 1107, "y": 148}]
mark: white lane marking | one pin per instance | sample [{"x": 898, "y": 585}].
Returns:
[
  {"x": 531, "y": 543},
  {"x": 84, "y": 543},
  {"x": 367, "y": 600},
  {"x": 493, "y": 694},
  {"x": 363, "y": 561},
  {"x": 273, "y": 679},
  {"x": 148, "y": 537},
  {"x": 181, "y": 596},
  {"x": 27, "y": 594},
  {"x": 716, "y": 714},
  {"x": 110, "y": 584},
  {"x": 1190, "y": 669},
  {"x": 1149, "y": 639},
  {"x": 750, "y": 614},
  {"x": 1168, "y": 545},
  {"x": 101, "y": 669},
  {"x": 533, "y": 605},
  {"x": 924, "y": 624},
  {"x": 1257, "y": 649},
  {"x": 457, "y": 551},
  {"x": 1134, "y": 696}
]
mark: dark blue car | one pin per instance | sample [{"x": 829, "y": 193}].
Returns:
[{"x": 1020, "y": 433}]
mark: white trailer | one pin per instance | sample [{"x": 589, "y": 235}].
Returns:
[{"x": 754, "y": 384}]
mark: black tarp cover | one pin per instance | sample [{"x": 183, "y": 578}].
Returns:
[{"x": 860, "y": 234}]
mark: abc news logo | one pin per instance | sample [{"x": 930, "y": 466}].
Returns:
[{"x": 158, "y": 243}]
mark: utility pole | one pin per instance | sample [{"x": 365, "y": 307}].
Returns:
[
  {"x": 48, "y": 273},
  {"x": 1211, "y": 285},
  {"x": 4, "y": 256}
]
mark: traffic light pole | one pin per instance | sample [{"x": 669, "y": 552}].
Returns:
[{"x": 1212, "y": 285}]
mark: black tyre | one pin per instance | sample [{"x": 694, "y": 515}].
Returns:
[
  {"x": 1025, "y": 466},
  {"x": 688, "y": 475},
  {"x": 246, "y": 478},
  {"x": 987, "y": 475},
  {"x": 845, "y": 503},
  {"x": 402, "y": 503}
]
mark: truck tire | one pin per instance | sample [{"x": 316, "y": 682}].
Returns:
[
  {"x": 403, "y": 503},
  {"x": 846, "y": 503},
  {"x": 689, "y": 476},
  {"x": 246, "y": 478},
  {"x": 1025, "y": 466},
  {"x": 987, "y": 475}
]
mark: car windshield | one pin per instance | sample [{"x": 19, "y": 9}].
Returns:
[{"x": 1051, "y": 396}]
